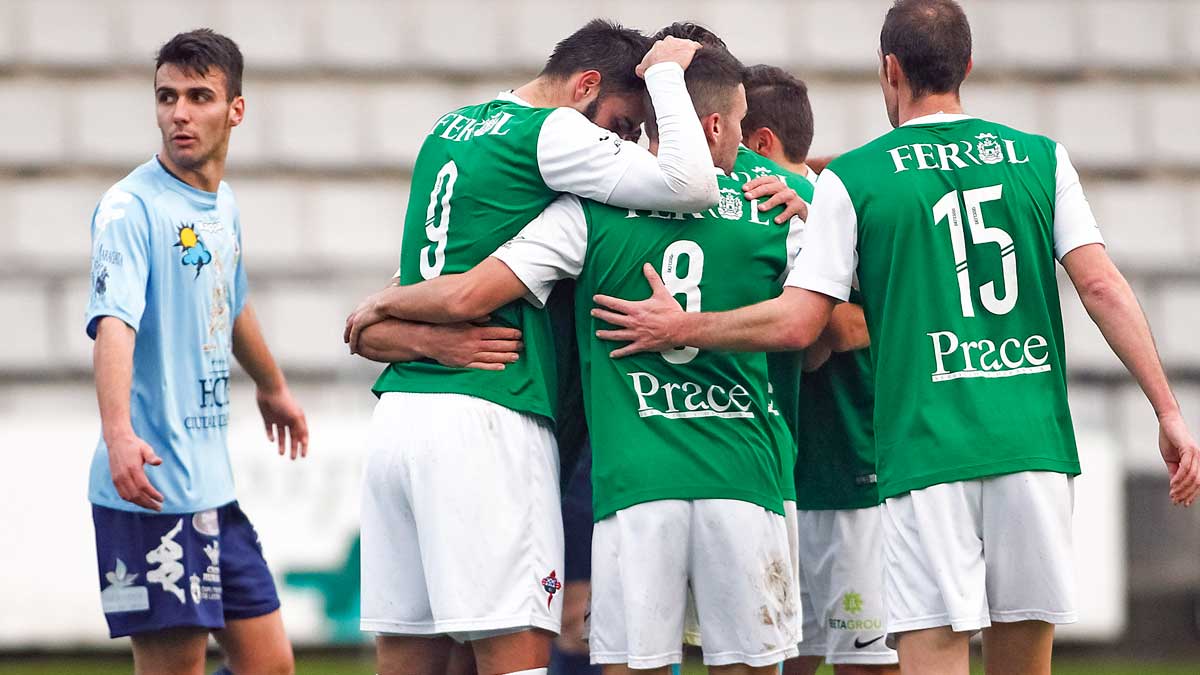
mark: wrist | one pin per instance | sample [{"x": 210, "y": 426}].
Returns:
[
  {"x": 273, "y": 385},
  {"x": 116, "y": 434},
  {"x": 423, "y": 340},
  {"x": 1168, "y": 410}
]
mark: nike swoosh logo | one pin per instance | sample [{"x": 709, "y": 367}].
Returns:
[{"x": 859, "y": 644}]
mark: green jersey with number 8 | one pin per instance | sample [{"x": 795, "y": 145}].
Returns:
[
  {"x": 684, "y": 424},
  {"x": 957, "y": 222}
]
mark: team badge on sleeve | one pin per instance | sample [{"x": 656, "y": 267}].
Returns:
[{"x": 551, "y": 585}]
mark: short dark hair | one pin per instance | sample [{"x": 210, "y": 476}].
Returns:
[
  {"x": 932, "y": 40},
  {"x": 201, "y": 49},
  {"x": 712, "y": 79},
  {"x": 604, "y": 46},
  {"x": 688, "y": 30},
  {"x": 777, "y": 100}
]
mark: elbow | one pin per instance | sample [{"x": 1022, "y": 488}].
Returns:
[
  {"x": 797, "y": 335},
  {"x": 695, "y": 194},
  {"x": 1101, "y": 291}
]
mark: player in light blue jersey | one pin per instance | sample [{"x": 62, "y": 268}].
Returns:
[{"x": 168, "y": 311}]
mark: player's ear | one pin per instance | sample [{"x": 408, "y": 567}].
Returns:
[
  {"x": 892, "y": 70},
  {"x": 587, "y": 85},
  {"x": 761, "y": 140},
  {"x": 970, "y": 65},
  {"x": 237, "y": 111},
  {"x": 711, "y": 123}
]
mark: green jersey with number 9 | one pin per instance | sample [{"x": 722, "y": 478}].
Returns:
[
  {"x": 957, "y": 223},
  {"x": 475, "y": 184}
]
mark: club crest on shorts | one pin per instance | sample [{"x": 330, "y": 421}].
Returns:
[{"x": 551, "y": 585}]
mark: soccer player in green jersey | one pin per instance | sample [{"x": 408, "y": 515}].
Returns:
[
  {"x": 685, "y": 444},
  {"x": 953, "y": 224},
  {"x": 461, "y": 528}
]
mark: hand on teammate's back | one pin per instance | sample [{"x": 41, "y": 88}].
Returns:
[
  {"x": 127, "y": 456},
  {"x": 779, "y": 194},
  {"x": 471, "y": 345},
  {"x": 1180, "y": 452},
  {"x": 284, "y": 421},
  {"x": 647, "y": 325},
  {"x": 667, "y": 50}
]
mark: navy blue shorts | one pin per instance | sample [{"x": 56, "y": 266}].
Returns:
[
  {"x": 577, "y": 520},
  {"x": 161, "y": 571}
]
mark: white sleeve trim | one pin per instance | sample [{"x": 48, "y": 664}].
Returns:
[
  {"x": 551, "y": 247},
  {"x": 827, "y": 262},
  {"x": 579, "y": 157},
  {"x": 1074, "y": 223},
  {"x": 795, "y": 242}
]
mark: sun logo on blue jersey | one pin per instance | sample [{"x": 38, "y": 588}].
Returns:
[{"x": 194, "y": 250}]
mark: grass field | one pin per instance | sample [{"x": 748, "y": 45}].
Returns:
[{"x": 362, "y": 665}]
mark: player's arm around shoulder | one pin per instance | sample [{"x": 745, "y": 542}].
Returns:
[
  {"x": 576, "y": 156},
  {"x": 282, "y": 416},
  {"x": 789, "y": 322}
]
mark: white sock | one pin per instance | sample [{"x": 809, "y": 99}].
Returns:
[{"x": 531, "y": 671}]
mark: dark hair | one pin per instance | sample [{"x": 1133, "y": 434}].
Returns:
[
  {"x": 778, "y": 101},
  {"x": 932, "y": 40},
  {"x": 201, "y": 49},
  {"x": 687, "y": 30},
  {"x": 604, "y": 46},
  {"x": 712, "y": 79}
]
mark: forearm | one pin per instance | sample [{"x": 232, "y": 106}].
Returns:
[
  {"x": 395, "y": 341},
  {"x": 250, "y": 350},
  {"x": 1115, "y": 310},
  {"x": 847, "y": 329},
  {"x": 789, "y": 322},
  {"x": 443, "y": 299},
  {"x": 112, "y": 361},
  {"x": 681, "y": 177}
]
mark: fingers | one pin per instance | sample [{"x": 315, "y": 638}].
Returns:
[
  {"x": 612, "y": 317},
  {"x": 148, "y": 456},
  {"x": 616, "y": 304},
  {"x": 133, "y": 486},
  {"x": 511, "y": 346},
  {"x": 346, "y": 330},
  {"x": 776, "y": 199},
  {"x": 498, "y": 333},
  {"x": 270, "y": 430},
  {"x": 657, "y": 287},
  {"x": 478, "y": 365},
  {"x": 1185, "y": 480},
  {"x": 281, "y": 438},
  {"x": 763, "y": 186},
  {"x": 627, "y": 350},
  {"x": 355, "y": 331},
  {"x": 617, "y": 335},
  {"x": 796, "y": 208}
]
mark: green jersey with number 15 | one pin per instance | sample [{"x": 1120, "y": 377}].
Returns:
[{"x": 956, "y": 222}]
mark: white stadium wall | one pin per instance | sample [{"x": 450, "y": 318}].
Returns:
[{"x": 339, "y": 93}]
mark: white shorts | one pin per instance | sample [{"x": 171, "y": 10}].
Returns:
[
  {"x": 841, "y": 582},
  {"x": 968, "y": 553},
  {"x": 461, "y": 526},
  {"x": 691, "y": 621},
  {"x": 734, "y": 556}
]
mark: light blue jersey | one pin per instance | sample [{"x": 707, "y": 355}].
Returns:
[{"x": 166, "y": 259}]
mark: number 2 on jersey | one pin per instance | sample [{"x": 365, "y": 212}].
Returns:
[
  {"x": 948, "y": 208},
  {"x": 437, "y": 222},
  {"x": 687, "y": 286}
]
